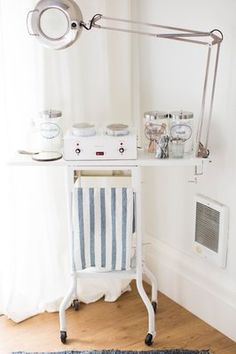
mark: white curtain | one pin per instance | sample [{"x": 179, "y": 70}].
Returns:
[{"x": 91, "y": 81}]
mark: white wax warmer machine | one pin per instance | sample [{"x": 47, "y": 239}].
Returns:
[{"x": 84, "y": 142}]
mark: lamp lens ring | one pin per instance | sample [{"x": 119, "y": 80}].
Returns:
[{"x": 56, "y": 23}]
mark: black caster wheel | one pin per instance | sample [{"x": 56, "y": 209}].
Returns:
[
  {"x": 63, "y": 337},
  {"x": 154, "y": 305},
  {"x": 149, "y": 339},
  {"x": 75, "y": 305}
]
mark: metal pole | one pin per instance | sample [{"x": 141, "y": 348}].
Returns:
[
  {"x": 200, "y": 124},
  {"x": 155, "y": 25},
  {"x": 212, "y": 95},
  {"x": 175, "y": 36}
]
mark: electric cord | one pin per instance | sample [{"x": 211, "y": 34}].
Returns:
[
  {"x": 219, "y": 32},
  {"x": 91, "y": 23}
]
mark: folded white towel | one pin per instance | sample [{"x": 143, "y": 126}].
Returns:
[{"x": 103, "y": 227}]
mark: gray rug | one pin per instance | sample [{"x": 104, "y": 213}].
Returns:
[{"x": 170, "y": 351}]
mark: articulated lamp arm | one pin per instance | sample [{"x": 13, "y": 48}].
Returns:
[
  {"x": 208, "y": 39},
  {"x": 211, "y": 38},
  {"x": 75, "y": 24}
]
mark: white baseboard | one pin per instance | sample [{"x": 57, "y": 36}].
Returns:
[{"x": 194, "y": 285}]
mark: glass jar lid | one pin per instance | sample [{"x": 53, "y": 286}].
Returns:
[
  {"x": 181, "y": 115},
  {"x": 50, "y": 113},
  {"x": 83, "y": 129},
  {"x": 153, "y": 116}
]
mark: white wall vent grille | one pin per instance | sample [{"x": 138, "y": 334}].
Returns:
[{"x": 211, "y": 230}]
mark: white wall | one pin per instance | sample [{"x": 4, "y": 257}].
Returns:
[{"x": 172, "y": 78}]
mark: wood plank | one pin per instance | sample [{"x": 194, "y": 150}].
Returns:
[{"x": 118, "y": 325}]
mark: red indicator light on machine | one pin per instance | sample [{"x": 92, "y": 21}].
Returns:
[{"x": 100, "y": 153}]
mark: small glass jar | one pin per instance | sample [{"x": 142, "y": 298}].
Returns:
[
  {"x": 177, "y": 150},
  {"x": 181, "y": 129},
  {"x": 155, "y": 126},
  {"x": 49, "y": 127}
]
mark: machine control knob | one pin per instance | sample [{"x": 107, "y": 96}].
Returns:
[
  {"x": 121, "y": 150},
  {"x": 78, "y": 151}
]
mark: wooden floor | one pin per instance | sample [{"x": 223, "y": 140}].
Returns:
[{"x": 119, "y": 325}]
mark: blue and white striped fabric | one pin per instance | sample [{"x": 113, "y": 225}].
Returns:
[{"x": 103, "y": 227}]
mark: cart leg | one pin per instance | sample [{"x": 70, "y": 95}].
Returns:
[
  {"x": 151, "y": 313},
  {"x": 75, "y": 303},
  {"x": 63, "y": 306},
  {"x": 70, "y": 171},
  {"x": 139, "y": 258},
  {"x": 153, "y": 280}
]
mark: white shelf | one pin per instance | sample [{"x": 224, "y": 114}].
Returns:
[
  {"x": 144, "y": 159},
  {"x": 26, "y": 160}
]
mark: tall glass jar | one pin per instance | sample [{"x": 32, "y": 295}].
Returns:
[
  {"x": 50, "y": 130},
  {"x": 156, "y": 124},
  {"x": 181, "y": 130}
]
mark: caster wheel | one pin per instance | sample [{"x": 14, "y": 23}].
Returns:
[
  {"x": 149, "y": 339},
  {"x": 154, "y": 305},
  {"x": 75, "y": 305},
  {"x": 63, "y": 337}
]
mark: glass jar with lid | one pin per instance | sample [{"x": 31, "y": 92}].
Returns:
[
  {"x": 155, "y": 126},
  {"x": 49, "y": 126},
  {"x": 181, "y": 129}
]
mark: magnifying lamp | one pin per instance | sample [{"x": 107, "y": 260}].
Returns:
[{"x": 57, "y": 24}]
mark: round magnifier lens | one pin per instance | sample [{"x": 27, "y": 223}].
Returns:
[{"x": 54, "y": 23}]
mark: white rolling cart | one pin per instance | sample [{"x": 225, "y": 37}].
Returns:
[
  {"x": 135, "y": 167},
  {"x": 140, "y": 267}
]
